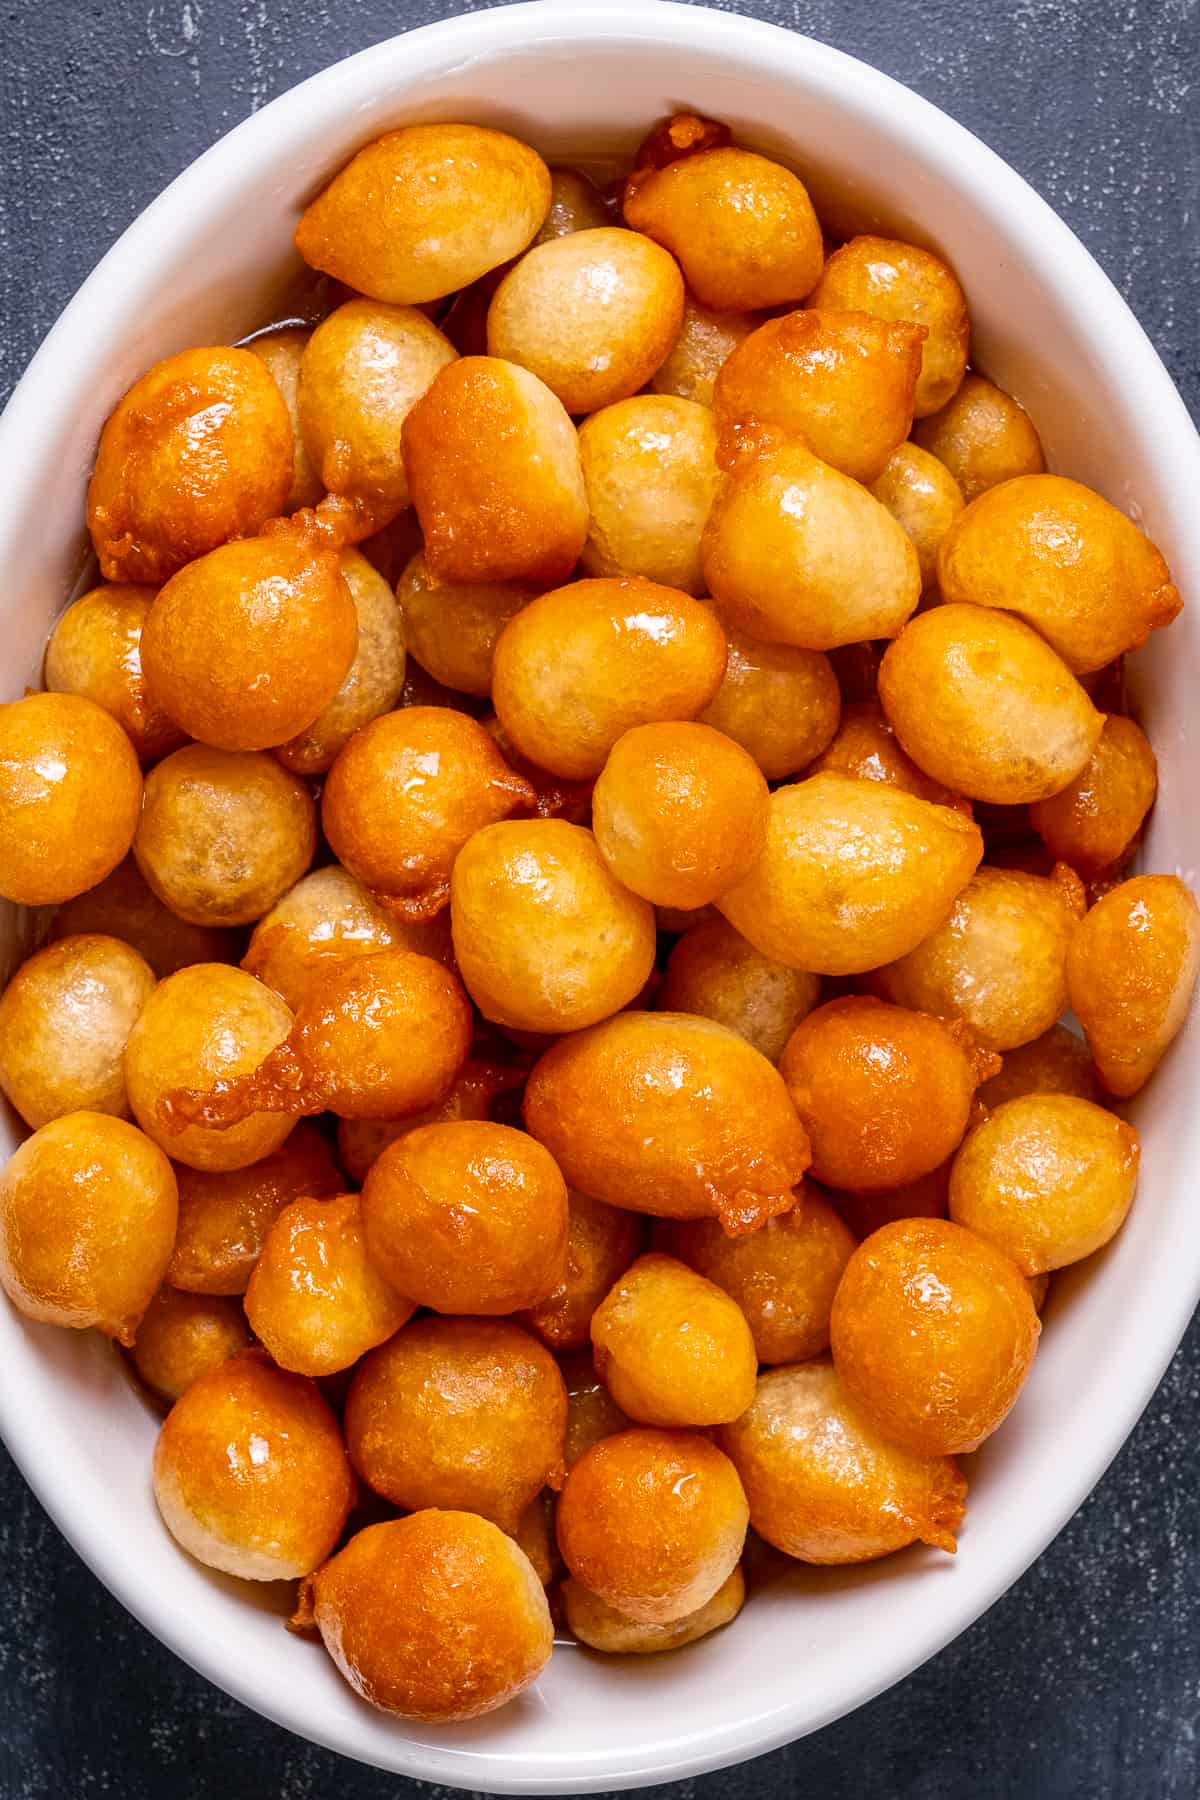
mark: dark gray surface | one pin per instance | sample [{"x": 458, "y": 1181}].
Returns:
[{"x": 1085, "y": 1679}]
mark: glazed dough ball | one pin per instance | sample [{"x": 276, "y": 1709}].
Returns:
[
  {"x": 650, "y": 468},
  {"x": 223, "y": 833},
  {"x": 1093, "y": 822},
  {"x": 840, "y": 384},
  {"x": 743, "y": 228},
  {"x": 680, "y": 134},
  {"x": 493, "y": 465},
  {"x": 982, "y": 704},
  {"x": 594, "y": 1623},
  {"x": 282, "y": 352},
  {"x": 87, "y": 1216},
  {"x": 592, "y": 1413},
  {"x": 1048, "y": 1179},
  {"x": 182, "y": 1336},
  {"x": 923, "y": 497},
  {"x": 546, "y": 937},
  {"x": 1131, "y": 968},
  {"x": 373, "y": 682},
  {"x": 250, "y": 1473},
  {"x": 424, "y": 210},
  {"x": 854, "y": 874},
  {"x": 669, "y": 1115},
  {"x": 796, "y": 553},
  {"x": 361, "y": 1141},
  {"x": 459, "y": 1412},
  {"x": 998, "y": 961},
  {"x": 198, "y": 452},
  {"x": 95, "y": 650},
  {"x": 592, "y": 314},
  {"x": 933, "y": 1333},
  {"x": 983, "y": 436},
  {"x": 453, "y": 627},
  {"x": 653, "y": 1523},
  {"x": 70, "y": 793},
  {"x": 824, "y": 1486},
  {"x": 715, "y": 972},
  {"x": 65, "y": 1018},
  {"x": 778, "y": 702},
  {"x": 672, "y": 1347},
  {"x": 1055, "y": 1063},
  {"x": 898, "y": 281},
  {"x": 705, "y": 343},
  {"x": 123, "y": 906},
  {"x": 438, "y": 1617},
  {"x": 602, "y": 1241},
  {"x": 576, "y": 204},
  {"x": 865, "y": 748}
]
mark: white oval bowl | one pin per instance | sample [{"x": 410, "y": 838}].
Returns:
[{"x": 200, "y": 265}]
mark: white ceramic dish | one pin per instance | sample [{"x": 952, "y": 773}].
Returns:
[{"x": 199, "y": 266}]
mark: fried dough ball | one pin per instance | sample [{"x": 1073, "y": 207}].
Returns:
[
  {"x": 361, "y": 1141},
  {"x": 467, "y": 1217},
  {"x": 679, "y": 813},
  {"x": 316, "y": 1300},
  {"x": 438, "y": 1617},
  {"x": 742, "y": 227},
  {"x": 602, "y": 1241},
  {"x": 865, "y": 748},
  {"x": 493, "y": 465},
  {"x": 705, "y": 343},
  {"x": 223, "y": 833},
  {"x": 982, "y": 703},
  {"x": 672, "y": 1347},
  {"x": 453, "y": 627},
  {"x": 205, "y": 1024},
  {"x": 923, "y": 497},
  {"x": 282, "y": 352},
  {"x": 1055, "y": 1063},
  {"x": 854, "y": 873},
  {"x": 592, "y": 1413},
  {"x": 95, "y": 650},
  {"x": 824, "y": 1485},
  {"x": 196, "y": 453},
  {"x": 554, "y": 796},
  {"x": 928, "y": 1197},
  {"x": 250, "y": 1473},
  {"x": 883, "y": 1093},
  {"x": 653, "y": 1523},
  {"x": 649, "y": 465},
  {"x": 424, "y": 210},
  {"x": 1093, "y": 822},
  {"x": 796, "y": 553},
  {"x": 373, "y": 682},
  {"x": 459, "y": 1412},
  {"x": 933, "y": 1333},
  {"x": 680, "y": 134},
  {"x": 70, "y": 794},
  {"x": 670, "y": 1115},
  {"x": 406, "y": 794},
  {"x": 1047, "y": 1178},
  {"x": 579, "y": 666},
  {"x": 124, "y": 906},
  {"x": 65, "y": 1018},
  {"x": 983, "y": 436},
  {"x": 592, "y": 314},
  {"x": 840, "y": 384},
  {"x": 87, "y": 1217},
  {"x": 601, "y": 1627},
  {"x": 576, "y": 204},
  {"x": 715, "y": 972},
  {"x": 182, "y": 1336},
  {"x": 1064, "y": 560},
  {"x": 225, "y": 1214},
  {"x": 998, "y": 960},
  {"x": 1131, "y": 968},
  {"x": 902, "y": 282},
  {"x": 778, "y": 702}
]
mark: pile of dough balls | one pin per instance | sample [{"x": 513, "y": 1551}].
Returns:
[{"x": 590, "y": 777}]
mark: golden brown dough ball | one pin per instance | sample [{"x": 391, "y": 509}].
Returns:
[
  {"x": 459, "y": 1412},
  {"x": 650, "y": 468},
  {"x": 223, "y": 833},
  {"x": 1093, "y": 822},
  {"x": 824, "y": 1485},
  {"x": 373, "y": 682},
  {"x": 282, "y": 352},
  {"x": 742, "y": 227},
  {"x": 669, "y": 1115},
  {"x": 65, "y": 1018},
  {"x": 796, "y": 553},
  {"x": 546, "y": 937},
  {"x": 705, "y": 343},
  {"x": 778, "y": 702},
  {"x": 672, "y": 1347},
  {"x": 653, "y": 1523},
  {"x": 602, "y": 1241},
  {"x": 361, "y": 1141},
  {"x": 854, "y": 874},
  {"x": 95, "y": 650},
  {"x": 493, "y": 465},
  {"x": 840, "y": 384},
  {"x": 453, "y": 627},
  {"x": 1064, "y": 560},
  {"x": 182, "y": 1336},
  {"x": 998, "y": 960},
  {"x": 424, "y": 210},
  {"x": 1047, "y": 1178},
  {"x": 923, "y": 497},
  {"x": 715, "y": 972},
  {"x": 438, "y": 1617},
  {"x": 576, "y": 204},
  {"x": 983, "y": 436},
  {"x": 898, "y": 281},
  {"x": 198, "y": 452},
  {"x": 601, "y": 1627},
  {"x": 865, "y": 749},
  {"x": 933, "y": 1333},
  {"x": 928, "y": 1197},
  {"x": 225, "y": 1214},
  {"x": 87, "y": 1217},
  {"x": 1131, "y": 968},
  {"x": 1055, "y": 1063},
  {"x": 680, "y": 134},
  {"x": 983, "y": 705},
  {"x": 124, "y": 906},
  {"x": 250, "y": 1473},
  {"x": 579, "y": 666},
  {"x": 70, "y": 793},
  {"x": 467, "y": 1217},
  {"x": 406, "y": 794},
  {"x": 592, "y": 1413}
]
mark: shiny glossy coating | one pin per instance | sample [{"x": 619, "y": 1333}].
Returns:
[
  {"x": 866, "y": 748},
  {"x": 898, "y": 281},
  {"x": 95, "y": 650},
  {"x": 601, "y": 1627},
  {"x": 672, "y": 1347},
  {"x": 650, "y": 468},
  {"x": 983, "y": 436},
  {"x": 480, "y": 1080},
  {"x": 602, "y": 1241},
  {"x": 922, "y": 496},
  {"x": 1093, "y": 822}
]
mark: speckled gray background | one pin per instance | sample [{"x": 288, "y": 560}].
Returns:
[{"x": 1085, "y": 1680}]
